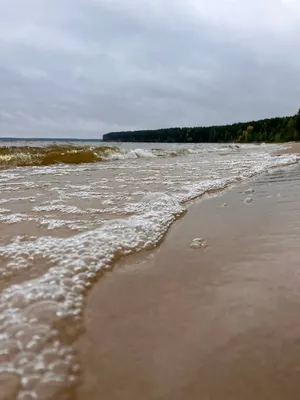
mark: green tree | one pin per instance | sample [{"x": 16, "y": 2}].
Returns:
[
  {"x": 248, "y": 134},
  {"x": 297, "y": 124},
  {"x": 268, "y": 130},
  {"x": 290, "y": 130}
]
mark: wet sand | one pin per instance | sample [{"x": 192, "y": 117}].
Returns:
[
  {"x": 215, "y": 323},
  {"x": 291, "y": 147}
]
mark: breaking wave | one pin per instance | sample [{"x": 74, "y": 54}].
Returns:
[
  {"x": 71, "y": 154},
  {"x": 53, "y": 154}
]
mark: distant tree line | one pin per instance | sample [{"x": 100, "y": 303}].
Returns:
[{"x": 276, "y": 130}]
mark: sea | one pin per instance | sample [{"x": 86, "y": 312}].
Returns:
[{"x": 68, "y": 212}]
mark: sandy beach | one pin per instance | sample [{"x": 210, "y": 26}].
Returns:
[
  {"x": 220, "y": 322},
  {"x": 293, "y": 147}
]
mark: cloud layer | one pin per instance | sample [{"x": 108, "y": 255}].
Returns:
[{"x": 81, "y": 68}]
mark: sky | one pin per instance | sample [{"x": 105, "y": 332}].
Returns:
[{"x": 82, "y": 68}]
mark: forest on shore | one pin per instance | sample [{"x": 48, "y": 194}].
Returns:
[{"x": 272, "y": 130}]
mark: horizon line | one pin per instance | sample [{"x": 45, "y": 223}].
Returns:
[{"x": 14, "y": 138}]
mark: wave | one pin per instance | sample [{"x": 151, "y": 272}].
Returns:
[
  {"x": 71, "y": 154},
  {"x": 53, "y": 154}
]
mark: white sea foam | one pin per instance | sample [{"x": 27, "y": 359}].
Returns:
[
  {"x": 30, "y": 311},
  {"x": 120, "y": 154},
  {"x": 4, "y": 210}
]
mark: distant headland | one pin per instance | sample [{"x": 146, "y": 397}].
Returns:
[{"x": 272, "y": 130}]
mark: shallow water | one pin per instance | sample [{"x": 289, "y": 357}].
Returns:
[
  {"x": 63, "y": 225},
  {"x": 215, "y": 323}
]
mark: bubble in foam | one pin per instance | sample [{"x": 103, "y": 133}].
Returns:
[
  {"x": 156, "y": 196},
  {"x": 30, "y": 335},
  {"x": 248, "y": 200},
  {"x": 49, "y": 355},
  {"x": 42, "y": 311},
  {"x": 198, "y": 243},
  {"x": 51, "y": 386},
  {"x": 28, "y": 395},
  {"x": 8, "y": 350},
  {"x": 61, "y": 367},
  {"x": 29, "y": 382}
]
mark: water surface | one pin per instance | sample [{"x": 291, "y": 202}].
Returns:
[{"x": 63, "y": 224}]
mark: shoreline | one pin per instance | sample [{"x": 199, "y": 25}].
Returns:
[
  {"x": 143, "y": 330},
  {"x": 292, "y": 148},
  {"x": 64, "y": 213}
]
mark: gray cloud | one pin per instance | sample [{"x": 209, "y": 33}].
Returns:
[{"x": 80, "y": 68}]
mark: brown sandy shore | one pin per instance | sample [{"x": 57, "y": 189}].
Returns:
[
  {"x": 291, "y": 148},
  {"x": 216, "y": 323}
]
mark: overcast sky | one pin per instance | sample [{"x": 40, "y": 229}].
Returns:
[{"x": 81, "y": 68}]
